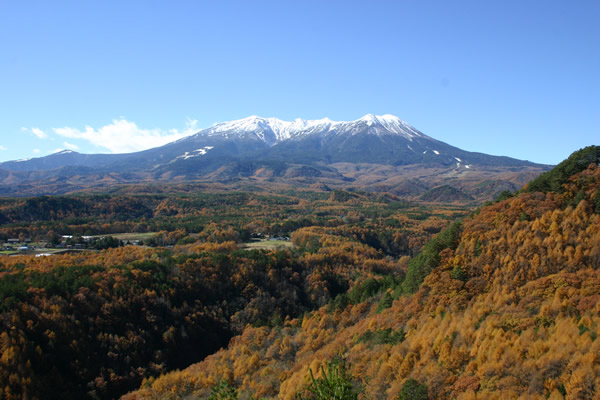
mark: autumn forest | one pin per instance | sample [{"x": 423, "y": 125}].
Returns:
[{"x": 184, "y": 291}]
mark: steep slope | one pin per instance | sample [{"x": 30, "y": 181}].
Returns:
[{"x": 510, "y": 309}]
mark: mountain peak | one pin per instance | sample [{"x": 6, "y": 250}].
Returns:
[
  {"x": 389, "y": 124},
  {"x": 380, "y": 118},
  {"x": 274, "y": 130},
  {"x": 66, "y": 151},
  {"x": 386, "y": 119}
]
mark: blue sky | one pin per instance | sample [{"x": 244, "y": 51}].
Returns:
[{"x": 517, "y": 78}]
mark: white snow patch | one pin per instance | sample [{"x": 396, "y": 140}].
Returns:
[
  {"x": 23, "y": 160},
  {"x": 467, "y": 166},
  {"x": 194, "y": 153},
  {"x": 457, "y": 159},
  {"x": 425, "y": 152},
  {"x": 436, "y": 152}
]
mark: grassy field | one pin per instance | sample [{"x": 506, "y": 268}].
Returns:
[
  {"x": 268, "y": 244},
  {"x": 132, "y": 236},
  {"x": 50, "y": 251}
]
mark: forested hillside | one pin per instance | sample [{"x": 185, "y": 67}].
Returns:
[
  {"x": 94, "y": 324},
  {"x": 503, "y": 305}
]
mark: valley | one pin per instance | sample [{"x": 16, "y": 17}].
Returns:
[{"x": 247, "y": 280}]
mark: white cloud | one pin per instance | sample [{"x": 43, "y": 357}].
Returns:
[
  {"x": 122, "y": 136},
  {"x": 39, "y": 133},
  {"x": 36, "y": 151},
  {"x": 70, "y": 146},
  {"x": 2, "y": 148}
]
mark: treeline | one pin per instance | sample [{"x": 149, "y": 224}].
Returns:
[{"x": 553, "y": 180}]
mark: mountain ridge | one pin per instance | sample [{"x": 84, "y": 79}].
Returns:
[{"x": 285, "y": 130}]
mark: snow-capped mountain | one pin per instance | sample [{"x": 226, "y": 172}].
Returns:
[
  {"x": 273, "y": 131},
  {"x": 370, "y": 139},
  {"x": 272, "y": 148}
]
